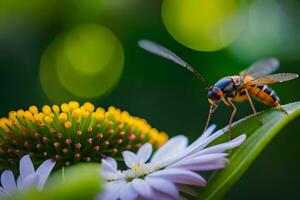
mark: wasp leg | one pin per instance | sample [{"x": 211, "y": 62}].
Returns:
[
  {"x": 208, "y": 117},
  {"x": 282, "y": 109},
  {"x": 252, "y": 106},
  {"x": 231, "y": 117}
]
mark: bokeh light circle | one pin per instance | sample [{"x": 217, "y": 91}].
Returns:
[
  {"x": 50, "y": 83},
  {"x": 200, "y": 24},
  {"x": 87, "y": 62},
  {"x": 89, "y": 48},
  {"x": 277, "y": 35}
]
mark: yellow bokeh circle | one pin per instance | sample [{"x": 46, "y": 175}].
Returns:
[{"x": 203, "y": 25}]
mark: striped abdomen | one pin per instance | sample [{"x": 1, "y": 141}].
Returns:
[{"x": 264, "y": 94}]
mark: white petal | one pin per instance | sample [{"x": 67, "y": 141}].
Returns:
[
  {"x": 107, "y": 167},
  {"x": 30, "y": 181},
  {"x": 8, "y": 181},
  {"x": 127, "y": 192},
  {"x": 110, "y": 172},
  {"x": 180, "y": 176},
  {"x": 174, "y": 146},
  {"x": 198, "y": 160},
  {"x": 144, "y": 152},
  {"x": 130, "y": 158},
  {"x": 213, "y": 165},
  {"x": 112, "y": 162},
  {"x": 44, "y": 171},
  {"x": 163, "y": 186},
  {"x": 225, "y": 146},
  {"x": 26, "y": 166},
  {"x": 111, "y": 190},
  {"x": 142, "y": 187}
]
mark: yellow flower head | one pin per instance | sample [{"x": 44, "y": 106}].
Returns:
[{"x": 72, "y": 133}]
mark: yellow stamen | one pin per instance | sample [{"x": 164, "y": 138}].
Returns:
[
  {"x": 76, "y": 113},
  {"x": 20, "y": 113},
  {"x": 63, "y": 117},
  {"x": 55, "y": 109},
  {"x": 28, "y": 115},
  {"x": 13, "y": 116},
  {"x": 65, "y": 107},
  {"x": 85, "y": 114},
  {"x": 48, "y": 119},
  {"x": 34, "y": 110},
  {"x": 73, "y": 105},
  {"x": 46, "y": 110},
  {"x": 68, "y": 124},
  {"x": 4, "y": 126},
  {"x": 39, "y": 117},
  {"x": 89, "y": 106}
]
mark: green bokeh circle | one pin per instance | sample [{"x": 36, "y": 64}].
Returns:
[
  {"x": 201, "y": 24},
  {"x": 90, "y": 61},
  {"x": 48, "y": 76}
]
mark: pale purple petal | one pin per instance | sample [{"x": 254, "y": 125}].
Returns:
[
  {"x": 200, "y": 144},
  {"x": 198, "y": 160},
  {"x": 142, "y": 187},
  {"x": 26, "y": 166},
  {"x": 111, "y": 190},
  {"x": 2, "y": 192},
  {"x": 144, "y": 152},
  {"x": 8, "y": 181},
  {"x": 19, "y": 181},
  {"x": 157, "y": 195},
  {"x": 174, "y": 146},
  {"x": 130, "y": 159},
  {"x": 127, "y": 192},
  {"x": 206, "y": 133},
  {"x": 163, "y": 186},
  {"x": 213, "y": 165},
  {"x": 112, "y": 162},
  {"x": 28, "y": 182},
  {"x": 187, "y": 190},
  {"x": 180, "y": 176},
  {"x": 225, "y": 146},
  {"x": 44, "y": 171}
]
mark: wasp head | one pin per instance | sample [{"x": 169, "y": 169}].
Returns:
[{"x": 214, "y": 96}]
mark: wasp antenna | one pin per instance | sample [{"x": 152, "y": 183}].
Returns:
[{"x": 162, "y": 51}]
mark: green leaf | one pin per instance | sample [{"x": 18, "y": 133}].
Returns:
[
  {"x": 258, "y": 136},
  {"x": 81, "y": 181}
]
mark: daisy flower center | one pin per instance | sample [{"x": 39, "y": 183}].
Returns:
[{"x": 140, "y": 170}]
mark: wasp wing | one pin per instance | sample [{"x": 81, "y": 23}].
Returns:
[
  {"x": 271, "y": 79},
  {"x": 261, "y": 68},
  {"x": 159, "y": 50}
]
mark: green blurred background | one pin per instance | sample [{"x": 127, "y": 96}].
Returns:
[{"x": 56, "y": 51}]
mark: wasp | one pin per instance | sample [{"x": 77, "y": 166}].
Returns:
[{"x": 251, "y": 82}]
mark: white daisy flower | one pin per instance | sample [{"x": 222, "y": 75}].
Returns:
[
  {"x": 170, "y": 171},
  {"x": 28, "y": 178}
]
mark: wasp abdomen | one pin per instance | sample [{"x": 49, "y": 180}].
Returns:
[{"x": 264, "y": 94}]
